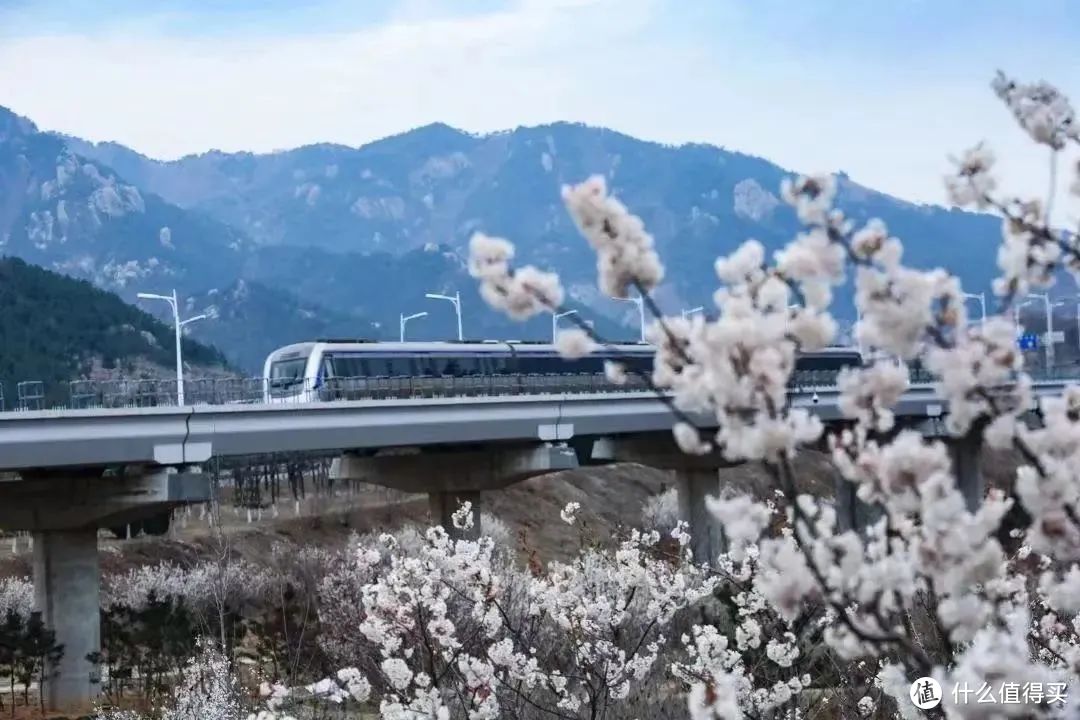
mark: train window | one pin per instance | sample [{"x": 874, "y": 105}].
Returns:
[
  {"x": 397, "y": 366},
  {"x": 634, "y": 363},
  {"x": 592, "y": 364},
  {"x": 376, "y": 367},
  {"x": 429, "y": 366},
  {"x": 284, "y": 373},
  {"x": 530, "y": 365},
  {"x": 359, "y": 367},
  {"x": 826, "y": 361},
  {"x": 392, "y": 366},
  {"x": 639, "y": 364},
  {"x": 341, "y": 366},
  {"x": 328, "y": 367},
  {"x": 562, "y": 365},
  {"x": 500, "y": 364}
]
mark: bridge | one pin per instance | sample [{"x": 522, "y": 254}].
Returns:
[{"x": 74, "y": 470}]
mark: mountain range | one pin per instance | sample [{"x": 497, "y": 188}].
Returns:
[{"x": 334, "y": 240}]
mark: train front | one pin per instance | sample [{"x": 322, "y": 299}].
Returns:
[{"x": 290, "y": 374}]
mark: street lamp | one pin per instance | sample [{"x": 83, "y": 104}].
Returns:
[
  {"x": 981, "y": 297},
  {"x": 1059, "y": 303},
  {"x": 1045, "y": 297},
  {"x": 177, "y": 324},
  {"x": 1063, "y": 302},
  {"x": 555, "y": 322},
  {"x": 691, "y": 311},
  {"x": 856, "y": 336},
  {"x": 1078, "y": 324},
  {"x": 455, "y": 299},
  {"x": 406, "y": 318},
  {"x": 1016, "y": 317},
  {"x": 640, "y": 302}
]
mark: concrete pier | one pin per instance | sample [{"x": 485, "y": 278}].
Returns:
[
  {"x": 694, "y": 485},
  {"x": 967, "y": 467},
  {"x": 67, "y": 583},
  {"x": 443, "y": 505},
  {"x": 697, "y": 477},
  {"x": 64, "y": 510}
]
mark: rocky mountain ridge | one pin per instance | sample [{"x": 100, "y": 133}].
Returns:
[{"x": 329, "y": 236}]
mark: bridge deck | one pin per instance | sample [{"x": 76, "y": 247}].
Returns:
[{"x": 192, "y": 434}]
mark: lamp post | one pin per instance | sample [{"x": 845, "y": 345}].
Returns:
[
  {"x": 691, "y": 311},
  {"x": 855, "y": 335},
  {"x": 1059, "y": 303},
  {"x": 1045, "y": 297},
  {"x": 1078, "y": 325},
  {"x": 1016, "y": 317},
  {"x": 981, "y": 297},
  {"x": 640, "y": 302},
  {"x": 406, "y": 318},
  {"x": 177, "y": 325},
  {"x": 454, "y": 299},
  {"x": 555, "y": 322}
]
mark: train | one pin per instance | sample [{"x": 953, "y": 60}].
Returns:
[{"x": 351, "y": 369}]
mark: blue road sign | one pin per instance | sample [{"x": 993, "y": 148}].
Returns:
[{"x": 1028, "y": 341}]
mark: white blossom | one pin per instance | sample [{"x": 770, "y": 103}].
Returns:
[
  {"x": 462, "y": 518},
  {"x": 624, "y": 250},
  {"x": 521, "y": 293},
  {"x": 689, "y": 439},
  {"x": 1042, "y": 111},
  {"x": 615, "y": 372},
  {"x": 574, "y": 343},
  {"x": 972, "y": 184}
]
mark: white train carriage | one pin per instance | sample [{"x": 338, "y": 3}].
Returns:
[{"x": 348, "y": 369}]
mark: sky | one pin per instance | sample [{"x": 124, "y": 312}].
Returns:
[{"x": 885, "y": 91}]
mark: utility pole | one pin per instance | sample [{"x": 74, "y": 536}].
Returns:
[
  {"x": 555, "y": 322},
  {"x": 403, "y": 320},
  {"x": 981, "y": 297},
  {"x": 691, "y": 311},
  {"x": 454, "y": 299},
  {"x": 177, "y": 325}
]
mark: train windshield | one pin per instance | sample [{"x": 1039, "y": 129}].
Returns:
[{"x": 286, "y": 373}]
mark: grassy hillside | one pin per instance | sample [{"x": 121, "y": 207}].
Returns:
[{"x": 56, "y": 329}]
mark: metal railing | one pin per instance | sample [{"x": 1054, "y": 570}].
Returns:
[
  {"x": 31, "y": 394},
  {"x": 89, "y": 394}
]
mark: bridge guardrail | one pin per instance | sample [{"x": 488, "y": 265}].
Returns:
[
  {"x": 31, "y": 395},
  {"x": 191, "y": 434},
  {"x": 93, "y": 394}
]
